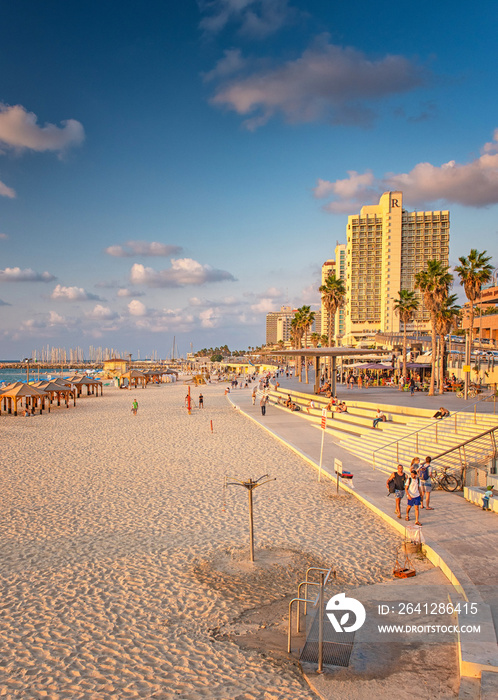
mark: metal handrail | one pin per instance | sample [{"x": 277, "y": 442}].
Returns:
[
  {"x": 430, "y": 426},
  {"x": 306, "y": 600},
  {"x": 462, "y": 444}
]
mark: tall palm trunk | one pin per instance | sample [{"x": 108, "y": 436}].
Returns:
[
  {"x": 442, "y": 350},
  {"x": 404, "y": 356},
  {"x": 470, "y": 343},
  {"x": 434, "y": 351},
  {"x": 330, "y": 345},
  {"x": 306, "y": 359}
]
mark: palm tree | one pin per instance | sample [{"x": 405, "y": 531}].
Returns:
[
  {"x": 306, "y": 319},
  {"x": 405, "y": 306},
  {"x": 448, "y": 317},
  {"x": 296, "y": 335},
  {"x": 333, "y": 297},
  {"x": 434, "y": 282},
  {"x": 315, "y": 339},
  {"x": 474, "y": 271}
]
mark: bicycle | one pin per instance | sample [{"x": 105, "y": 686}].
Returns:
[
  {"x": 441, "y": 478},
  {"x": 472, "y": 394}
]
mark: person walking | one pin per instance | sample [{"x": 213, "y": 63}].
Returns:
[
  {"x": 254, "y": 396},
  {"x": 201, "y": 401},
  {"x": 413, "y": 386},
  {"x": 414, "y": 495},
  {"x": 262, "y": 403},
  {"x": 425, "y": 473},
  {"x": 134, "y": 407},
  {"x": 396, "y": 485}
]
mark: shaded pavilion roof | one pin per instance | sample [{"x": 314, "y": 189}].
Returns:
[
  {"x": 133, "y": 373},
  {"x": 83, "y": 379},
  {"x": 328, "y": 352},
  {"x": 51, "y": 386},
  {"x": 19, "y": 389}
]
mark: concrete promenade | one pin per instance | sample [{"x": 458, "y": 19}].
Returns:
[{"x": 460, "y": 536}]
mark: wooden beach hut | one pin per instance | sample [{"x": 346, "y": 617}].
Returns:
[
  {"x": 134, "y": 377},
  {"x": 18, "y": 393},
  {"x": 55, "y": 390},
  {"x": 79, "y": 381}
]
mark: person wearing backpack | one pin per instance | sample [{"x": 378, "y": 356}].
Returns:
[
  {"x": 425, "y": 473},
  {"x": 396, "y": 485}
]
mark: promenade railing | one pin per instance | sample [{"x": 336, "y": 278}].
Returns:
[{"x": 432, "y": 433}]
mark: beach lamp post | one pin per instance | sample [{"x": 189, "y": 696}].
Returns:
[
  {"x": 250, "y": 485},
  {"x": 26, "y": 360}
]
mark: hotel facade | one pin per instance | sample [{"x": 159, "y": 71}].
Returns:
[{"x": 386, "y": 247}]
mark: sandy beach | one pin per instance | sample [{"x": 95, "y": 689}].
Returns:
[{"x": 122, "y": 556}]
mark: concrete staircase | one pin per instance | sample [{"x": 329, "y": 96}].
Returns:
[{"x": 407, "y": 433}]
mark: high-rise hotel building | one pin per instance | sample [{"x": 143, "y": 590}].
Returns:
[{"x": 386, "y": 247}]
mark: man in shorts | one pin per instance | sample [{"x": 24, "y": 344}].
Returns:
[{"x": 396, "y": 485}]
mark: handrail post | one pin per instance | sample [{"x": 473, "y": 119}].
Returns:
[{"x": 320, "y": 624}]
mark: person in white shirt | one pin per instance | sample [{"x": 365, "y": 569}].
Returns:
[
  {"x": 414, "y": 495},
  {"x": 379, "y": 416}
]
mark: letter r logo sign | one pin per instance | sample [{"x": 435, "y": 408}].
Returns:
[{"x": 394, "y": 203}]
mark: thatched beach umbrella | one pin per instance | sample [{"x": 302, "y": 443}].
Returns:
[{"x": 18, "y": 391}]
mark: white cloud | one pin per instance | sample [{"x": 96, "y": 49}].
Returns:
[
  {"x": 123, "y": 292},
  {"x": 144, "y": 248},
  {"x": 271, "y": 293},
  {"x": 473, "y": 184},
  {"x": 15, "y": 274},
  {"x": 310, "y": 295},
  {"x": 257, "y": 19},
  {"x": 56, "y": 319},
  {"x": 100, "y": 312},
  {"x": 184, "y": 271},
  {"x": 18, "y": 129},
  {"x": 136, "y": 308},
  {"x": 3, "y": 236},
  {"x": 232, "y": 62},
  {"x": 209, "y": 318},
  {"x": 326, "y": 82},
  {"x": 264, "y": 306},
  {"x": 73, "y": 294},
  {"x": 224, "y": 301},
  {"x": 7, "y": 191}
]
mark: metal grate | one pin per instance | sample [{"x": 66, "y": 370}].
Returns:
[{"x": 337, "y": 646}]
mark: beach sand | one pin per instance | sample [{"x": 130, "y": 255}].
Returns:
[{"x": 122, "y": 556}]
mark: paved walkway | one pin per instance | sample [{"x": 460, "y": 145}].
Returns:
[
  {"x": 388, "y": 395},
  {"x": 463, "y": 535}
]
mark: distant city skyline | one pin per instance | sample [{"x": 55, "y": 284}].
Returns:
[{"x": 182, "y": 170}]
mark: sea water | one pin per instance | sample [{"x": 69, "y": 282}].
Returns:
[{"x": 7, "y": 376}]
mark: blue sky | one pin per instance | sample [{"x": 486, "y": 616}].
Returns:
[{"x": 180, "y": 169}]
